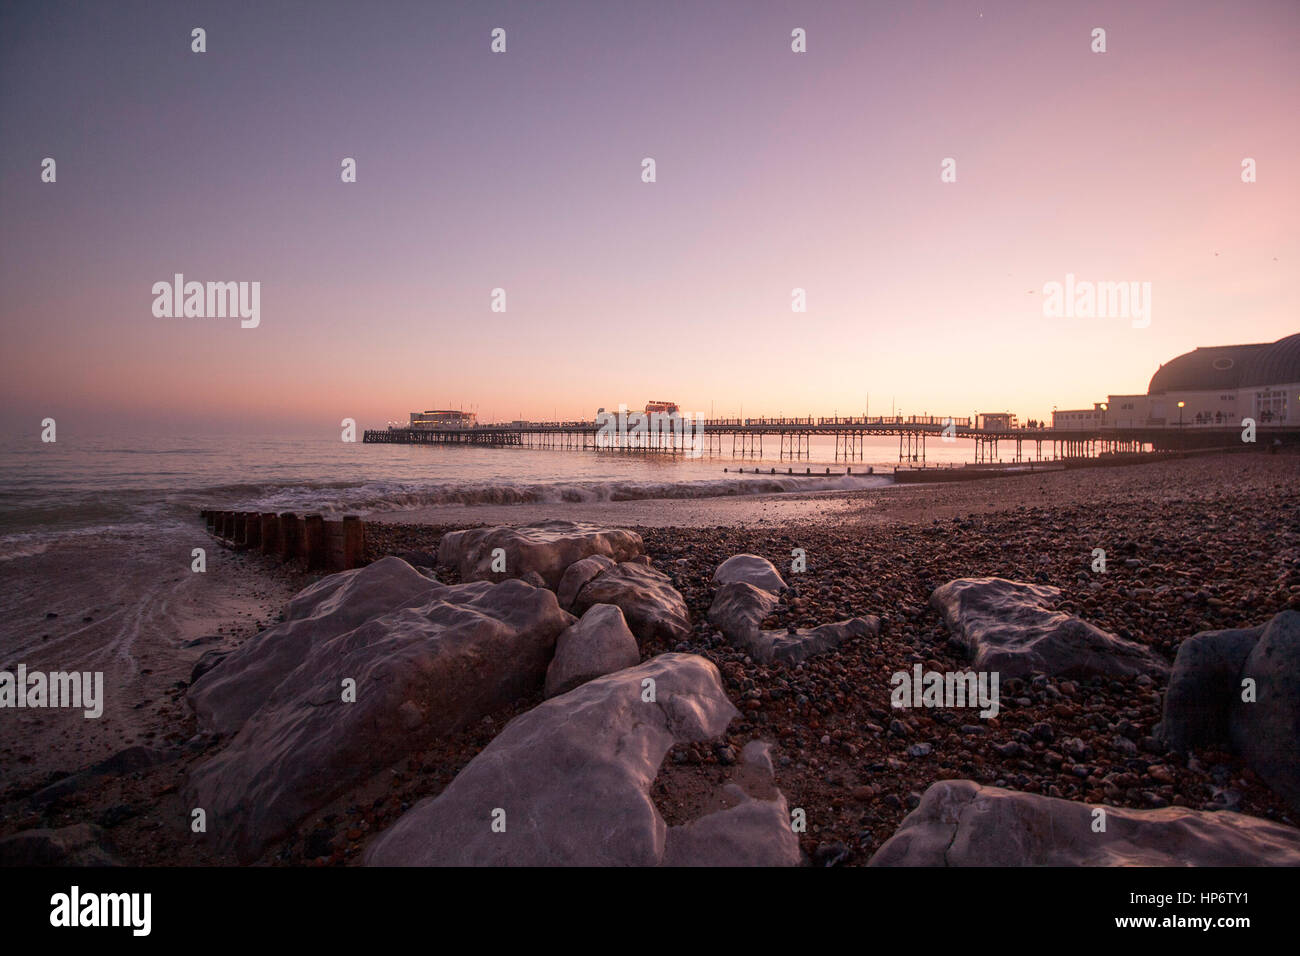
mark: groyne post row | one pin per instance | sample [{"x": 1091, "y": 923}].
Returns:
[{"x": 322, "y": 545}]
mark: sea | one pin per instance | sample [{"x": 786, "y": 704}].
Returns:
[{"x": 109, "y": 485}]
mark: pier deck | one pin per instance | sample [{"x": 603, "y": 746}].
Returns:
[{"x": 746, "y": 438}]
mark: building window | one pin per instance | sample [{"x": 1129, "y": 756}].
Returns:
[{"x": 1271, "y": 405}]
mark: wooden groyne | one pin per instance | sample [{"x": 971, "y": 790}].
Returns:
[{"x": 321, "y": 545}]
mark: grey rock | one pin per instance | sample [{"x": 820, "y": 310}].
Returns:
[
  {"x": 960, "y": 823},
  {"x": 739, "y": 608},
  {"x": 578, "y": 574},
  {"x": 1203, "y": 686},
  {"x": 652, "y": 607},
  {"x": 228, "y": 694},
  {"x": 547, "y": 547},
  {"x": 206, "y": 662},
  {"x": 420, "y": 672},
  {"x": 600, "y": 643},
  {"x": 751, "y": 569},
  {"x": 1010, "y": 627},
  {"x": 1266, "y": 732},
  {"x": 573, "y": 778}
]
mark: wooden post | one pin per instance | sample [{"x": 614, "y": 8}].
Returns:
[
  {"x": 354, "y": 541},
  {"x": 252, "y": 529},
  {"x": 270, "y": 532},
  {"x": 289, "y": 535},
  {"x": 313, "y": 542}
]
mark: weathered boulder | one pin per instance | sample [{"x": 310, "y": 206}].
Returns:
[
  {"x": 82, "y": 844},
  {"x": 568, "y": 783},
  {"x": 1267, "y": 732},
  {"x": 420, "y": 672},
  {"x": 791, "y": 647},
  {"x": 751, "y": 569},
  {"x": 599, "y": 644},
  {"x": 651, "y": 605},
  {"x": 1010, "y": 627},
  {"x": 578, "y": 574},
  {"x": 1203, "y": 687},
  {"x": 547, "y": 547},
  {"x": 739, "y": 609},
  {"x": 425, "y": 561},
  {"x": 960, "y": 823},
  {"x": 228, "y": 693},
  {"x": 206, "y": 662}
]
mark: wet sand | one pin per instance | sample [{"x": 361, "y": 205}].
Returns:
[{"x": 127, "y": 606}]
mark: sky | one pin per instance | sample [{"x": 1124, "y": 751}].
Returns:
[{"x": 522, "y": 170}]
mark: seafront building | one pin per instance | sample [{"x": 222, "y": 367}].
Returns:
[
  {"x": 443, "y": 418},
  {"x": 1218, "y": 385}
]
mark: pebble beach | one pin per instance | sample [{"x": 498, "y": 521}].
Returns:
[{"x": 1191, "y": 545}]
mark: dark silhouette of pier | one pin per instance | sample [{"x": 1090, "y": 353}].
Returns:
[{"x": 746, "y": 438}]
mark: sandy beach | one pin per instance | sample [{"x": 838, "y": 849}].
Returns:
[{"x": 134, "y": 610}]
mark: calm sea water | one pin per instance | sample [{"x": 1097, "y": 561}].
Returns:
[{"x": 107, "y": 484}]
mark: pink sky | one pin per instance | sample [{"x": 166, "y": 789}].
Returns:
[{"x": 775, "y": 170}]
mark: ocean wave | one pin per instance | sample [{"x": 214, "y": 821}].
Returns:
[
  {"x": 28, "y": 544},
  {"x": 381, "y": 496},
  {"x": 149, "y": 451}
]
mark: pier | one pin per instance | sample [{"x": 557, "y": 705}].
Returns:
[{"x": 791, "y": 438}]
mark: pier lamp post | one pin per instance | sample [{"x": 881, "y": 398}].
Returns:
[{"x": 1180, "y": 414}]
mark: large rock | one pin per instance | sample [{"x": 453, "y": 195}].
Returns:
[
  {"x": 1010, "y": 627},
  {"x": 1267, "y": 732},
  {"x": 227, "y": 695},
  {"x": 652, "y": 606},
  {"x": 960, "y": 823},
  {"x": 597, "y": 645},
  {"x": 578, "y": 574},
  {"x": 420, "y": 672},
  {"x": 751, "y": 569},
  {"x": 82, "y": 844},
  {"x": 1203, "y": 688},
  {"x": 547, "y": 547},
  {"x": 573, "y": 777},
  {"x": 739, "y": 609}
]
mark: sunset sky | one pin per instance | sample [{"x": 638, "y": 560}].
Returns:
[{"x": 522, "y": 170}]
